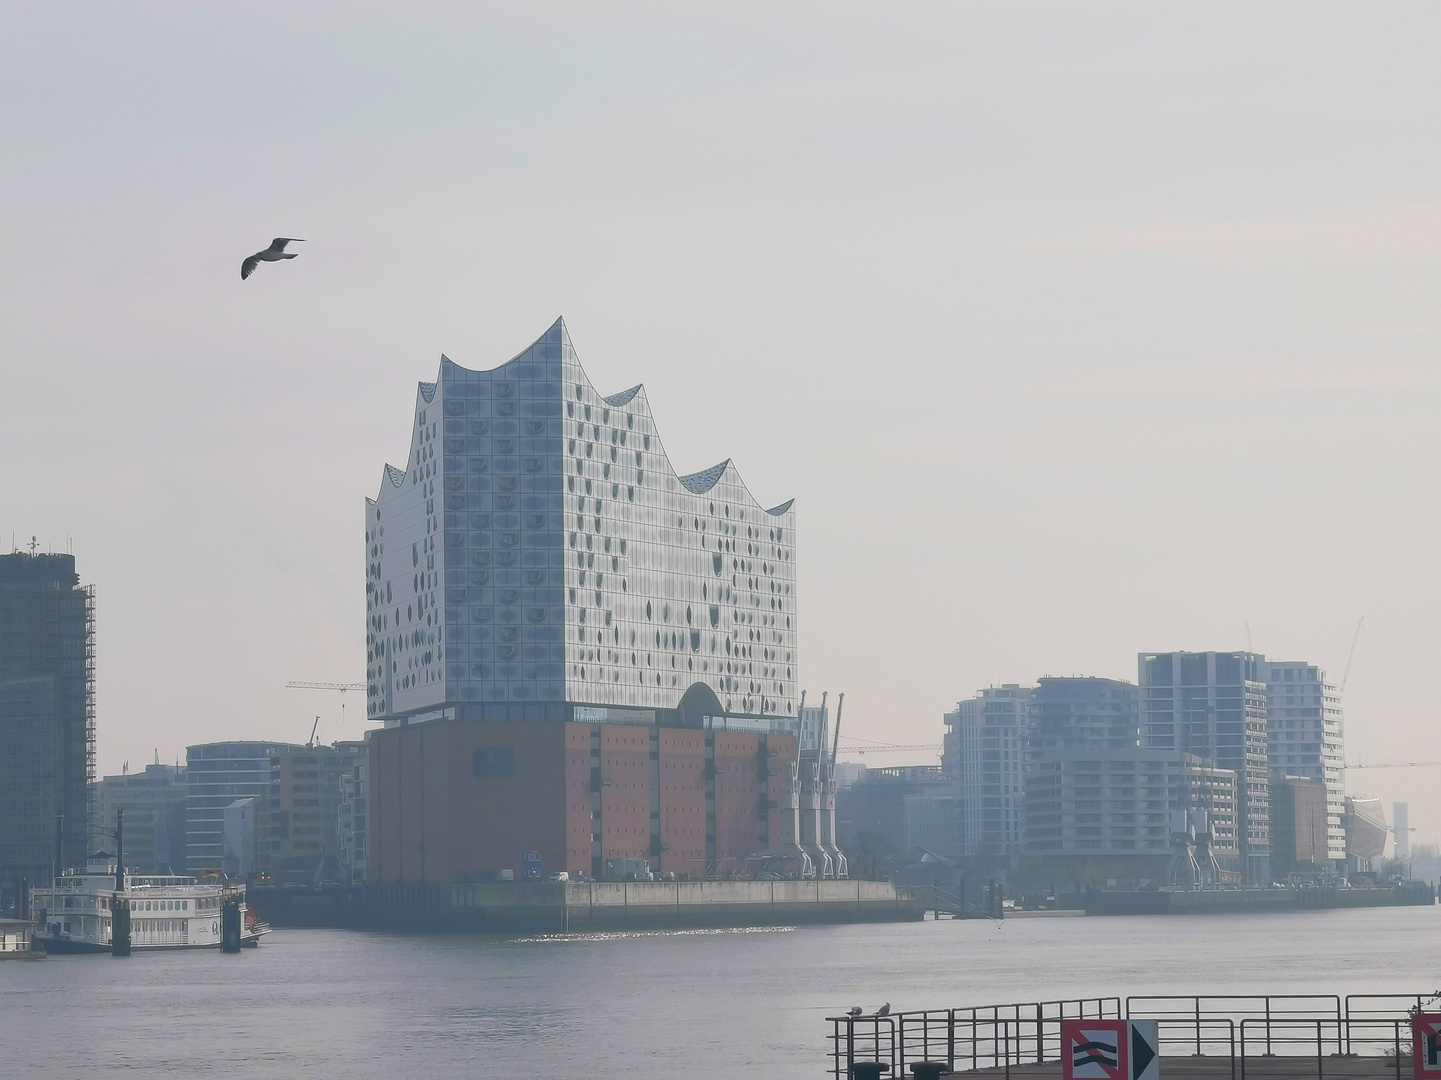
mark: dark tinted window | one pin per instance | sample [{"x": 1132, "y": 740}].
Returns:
[
  {"x": 1193, "y": 669},
  {"x": 1158, "y": 670},
  {"x": 492, "y": 763},
  {"x": 1228, "y": 669}
]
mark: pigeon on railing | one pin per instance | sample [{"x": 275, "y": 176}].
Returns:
[
  {"x": 854, "y": 1010},
  {"x": 274, "y": 253}
]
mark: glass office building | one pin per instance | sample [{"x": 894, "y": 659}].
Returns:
[{"x": 538, "y": 558}]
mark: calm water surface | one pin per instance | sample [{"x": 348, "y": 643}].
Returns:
[{"x": 703, "y": 1004}]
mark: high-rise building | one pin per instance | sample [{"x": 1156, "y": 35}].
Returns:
[
  {"x": 154, "y": 805},
  {"x": 47, "y": 715},
  {"x": 1082, "y": 713},
  {"x": 298, "y": 822},
  {"x": 1305, "y": 738},
  {"x": 986, "y": 747},
  {"x": 1142, "y": 816},
  {"x": 216, "y": 775},
  {"x": 1213, "y": 705},
  {"x": 538, "y": 559}
]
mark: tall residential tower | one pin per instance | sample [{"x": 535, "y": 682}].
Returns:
[
  {"x": 1212, "y": 706},
  {"x": 47, "y": 715},
  {"x": 1306, "y": 738}
]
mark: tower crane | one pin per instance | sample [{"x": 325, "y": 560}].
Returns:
[{"x": 339, "y": 687}]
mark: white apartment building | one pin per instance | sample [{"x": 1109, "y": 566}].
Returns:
[
  {"x": 985, "y": 757},
  {"x": 1306, "y": 737}
]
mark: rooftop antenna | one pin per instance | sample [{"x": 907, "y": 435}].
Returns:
[
  {"x": 1351, "y": 655},
  {"x": 1248, "y": 636},
  {"x": 34, "y": 543}
]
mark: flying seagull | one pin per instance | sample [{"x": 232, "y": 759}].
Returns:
[
  {"x": 274, "y": 253},
  {"x": 854, "y": 1010}
]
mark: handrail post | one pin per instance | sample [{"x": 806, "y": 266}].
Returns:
[
  {"x": 1040, "y": 1036},
  {"x": 1198, "y": 1027},
  {"x": 951, "y": 1040},
  {"x": 1268, "y": 1025},
  {"x": 1319, "y": 1055}
]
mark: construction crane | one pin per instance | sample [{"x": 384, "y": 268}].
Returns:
[
  {"x": 1351, "y": 655},
  {"x": 1392, "y": 765},
  {"x": 887, "y": 748},
  {"x": 340, "y": 687}
]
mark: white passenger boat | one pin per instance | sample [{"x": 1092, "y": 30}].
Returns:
[{"x": 166, "y": 911}]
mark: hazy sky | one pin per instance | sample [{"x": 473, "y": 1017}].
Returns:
[{"x": 1074, "y": 330}]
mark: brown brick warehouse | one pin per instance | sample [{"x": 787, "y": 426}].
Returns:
[{"x": 462, "y": 801}]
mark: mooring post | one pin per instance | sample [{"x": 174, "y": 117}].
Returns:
[
  {"x": 119, "y": 906},
  {"x": 230, "y": 926}
]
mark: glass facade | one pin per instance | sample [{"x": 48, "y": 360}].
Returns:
[{"x": 539, "y": 554}]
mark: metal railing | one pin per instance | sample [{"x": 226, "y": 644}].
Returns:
[
  {"x": 1228, "y": 1027},
  {"x": 1197, "y": 1009},
  {"x": 1338, "y": 1041},
  {"x": 966, "y": 1039}
]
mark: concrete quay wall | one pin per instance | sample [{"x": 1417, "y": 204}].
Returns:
[
  {"x": 574, "y": 907},
  {"x": 652, "y": 904},
  {"x": 1217, "y": 901}
]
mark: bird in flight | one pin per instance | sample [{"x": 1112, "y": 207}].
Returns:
[{"x": 274, "y": 253}]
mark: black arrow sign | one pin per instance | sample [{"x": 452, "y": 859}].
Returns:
[{"x": 1142, "y": 1053}]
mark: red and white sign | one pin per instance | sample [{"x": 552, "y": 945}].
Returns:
[
  {"x": 1093, "y": 1050},
  {"x": 1111, "y": 1050},
  {"x": 1426, "y": 1045}
]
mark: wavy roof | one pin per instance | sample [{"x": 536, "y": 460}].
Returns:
[{"x": 698, "y": 482}]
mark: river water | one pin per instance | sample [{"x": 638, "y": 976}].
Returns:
[{"x": 317, "y": 1004}]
